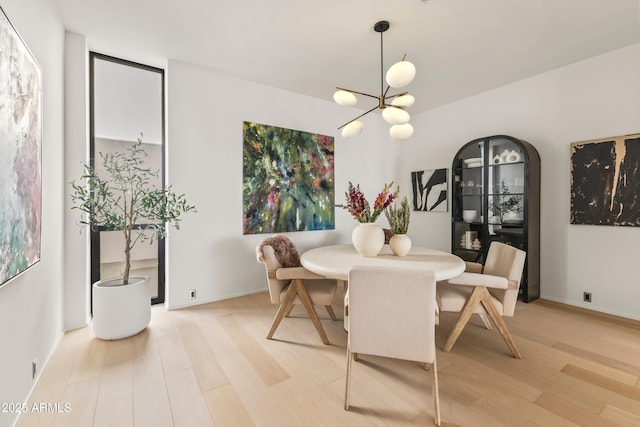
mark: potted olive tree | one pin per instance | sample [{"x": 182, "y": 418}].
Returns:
[{"x": 123, "y": 198}]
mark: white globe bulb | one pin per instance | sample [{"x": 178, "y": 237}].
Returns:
[
  {"x": 405, "y": 101},
  {"x": 401, "y": 74},
  {"x": 352, "y": 129},
  {"x": 395, "y": 115},
  {"x": 401, "y": 132},
  {"x": 344, "y": 98}
]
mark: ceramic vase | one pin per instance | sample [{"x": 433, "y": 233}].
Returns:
[
  {"x": 121, "y": 311},
  {"x": 400, "y": 244},
  {"x": 368, "y": 239}
]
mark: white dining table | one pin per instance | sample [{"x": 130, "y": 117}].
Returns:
[{"x": 334, "y": 262}]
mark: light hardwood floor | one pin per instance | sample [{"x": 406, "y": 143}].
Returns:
[{"x": 212, "y": 366}]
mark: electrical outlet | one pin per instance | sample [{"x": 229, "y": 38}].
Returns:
[
  {"x": 586, "y": 296},
  {"x": 34, "y": 368},
  {"x": 192, "y": 294}
]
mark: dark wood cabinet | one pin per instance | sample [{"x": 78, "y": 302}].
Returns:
[{"x": 496, "y": 196}]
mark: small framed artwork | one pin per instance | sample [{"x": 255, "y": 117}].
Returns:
[
  {"x": 605, "y": 184},
  {"x": 429, "y": 190},
  {"x": 20, "y": 154}
]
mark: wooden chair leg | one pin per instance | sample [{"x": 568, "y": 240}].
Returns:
[
  {"x": 435, "y": 391},
  {"x": 289, "y": 310},
  {"x": 499, "y": 322},
  {"x": 485, "y": 320},
  {"x": 465, "y": 315},
  {"x": 283, "y": 308},
  {"x": 308, "y": 305},
  {"x": 347, "y": 382},
  {"x": 332, "y": 315}
]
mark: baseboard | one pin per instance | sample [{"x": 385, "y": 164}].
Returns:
[
  {"x": 605, "y": 317},
  {"x": 222, "y": 298}
]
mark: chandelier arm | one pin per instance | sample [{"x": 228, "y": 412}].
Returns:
[
  {"x": 361, "y": 115},
  {"x": 355, "y": 91},
  {"x": 397, "y": 94}
]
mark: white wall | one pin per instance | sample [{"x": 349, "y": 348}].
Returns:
[
  {"x": 595, "y": 98},
  {"x": 31, "y": 304},
  {"x": 76, "y": 137},
  {"x": 205, "y": 115}
]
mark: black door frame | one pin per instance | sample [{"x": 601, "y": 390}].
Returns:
[{"x": 95, "y": 233}]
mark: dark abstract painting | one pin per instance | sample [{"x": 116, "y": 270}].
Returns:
[
  {"x": 20, "y": 162},
  {"x": 605, "y": 181},
  {"x": 429, "y": 190},
  {"x": 288, "y": 182}
]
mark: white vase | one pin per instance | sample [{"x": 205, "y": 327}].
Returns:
[
  {"x": 121, "y": 311},
  {"x": 368, "y": 239},
  {"x": 400, "y": 244}
]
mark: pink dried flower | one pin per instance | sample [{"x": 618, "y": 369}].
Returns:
[{"x": 359, "y": 207}]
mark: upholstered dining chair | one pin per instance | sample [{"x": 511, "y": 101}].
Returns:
[
  {"x": 490, "y": 291},
  {"x": 290, "y": 283},
  {"x": 392, "y": 314}
]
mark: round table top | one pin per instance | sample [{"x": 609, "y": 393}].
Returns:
[{"x": 335, "y": 261}]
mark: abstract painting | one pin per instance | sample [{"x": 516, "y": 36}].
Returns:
[
  {"x": 430, "y": 190},
  {"x": 20, "y": 161},
  {"x": 288, "y": 182},
  {"x": 605, "y": 181}
]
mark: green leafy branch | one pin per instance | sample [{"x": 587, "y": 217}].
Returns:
[{"x": 126, "y": 200}]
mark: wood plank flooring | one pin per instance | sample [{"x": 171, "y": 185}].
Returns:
[{"x": 211, "y": 365}]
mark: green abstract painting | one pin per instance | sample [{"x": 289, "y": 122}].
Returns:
[{"x": 288, "y": 180}]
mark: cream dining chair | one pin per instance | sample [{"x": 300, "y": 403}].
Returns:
[
  {"x": 490, "y": 291},
  {"x": 392, "y": 314},
  {"x": 290, "y": 284}
]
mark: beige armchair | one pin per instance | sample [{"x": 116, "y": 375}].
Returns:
[
  {"x": 392, "y": 314},
  {"x": 490, "y": 291},
  {"x": 294, "y": 285}
]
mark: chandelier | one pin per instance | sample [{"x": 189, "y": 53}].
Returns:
[{"x": 393, "y": 107}]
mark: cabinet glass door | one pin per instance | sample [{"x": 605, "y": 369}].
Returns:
[
  {"x": 505, "y": 191},
  {"x": 469, "y": 205}
]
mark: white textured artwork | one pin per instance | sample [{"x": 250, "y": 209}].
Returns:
[{"x": 20, "y": 154}]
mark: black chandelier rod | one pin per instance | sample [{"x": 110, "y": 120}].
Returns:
[{"x": 382, "y": 91}]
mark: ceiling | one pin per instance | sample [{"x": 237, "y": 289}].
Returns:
[{"x": 459, "y": 47}]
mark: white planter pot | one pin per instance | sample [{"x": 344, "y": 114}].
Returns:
[
  {"x": 400, "y": 244},
  {"x": 368, "y": 239},
  {"x": 121, "y": 311}
]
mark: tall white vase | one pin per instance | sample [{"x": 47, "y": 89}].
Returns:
[
  {"x": 400, "y": 244},
  {"x": 368, "y": 239}
]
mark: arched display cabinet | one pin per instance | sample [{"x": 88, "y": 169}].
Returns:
[{"x": 496, "y": 196}]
